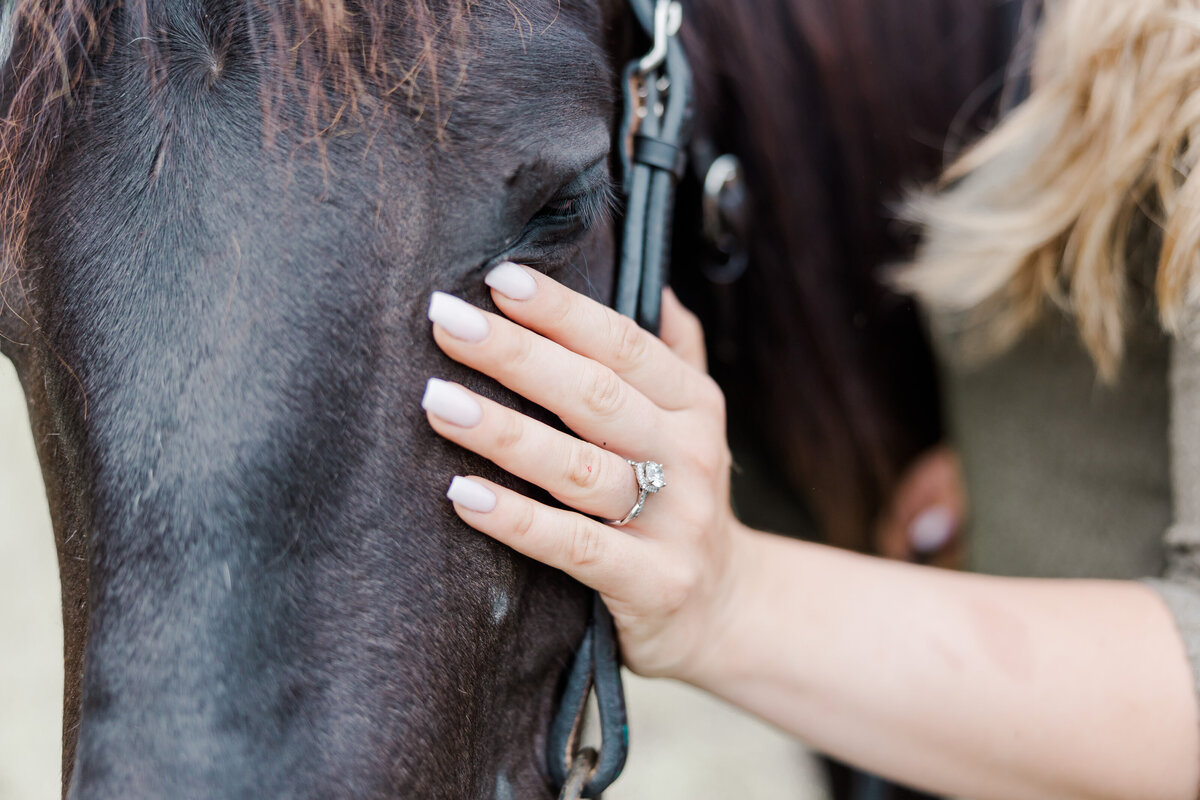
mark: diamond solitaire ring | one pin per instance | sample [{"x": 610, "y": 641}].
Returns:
[{"x": 650, "y": 478}]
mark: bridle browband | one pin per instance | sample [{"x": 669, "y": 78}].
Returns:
[{"x": 652, "y": 146}]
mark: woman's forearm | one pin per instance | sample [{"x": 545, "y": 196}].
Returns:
[{"x": 964, "y": 684}]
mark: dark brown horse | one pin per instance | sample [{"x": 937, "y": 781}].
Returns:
[{"x": 221, "y": 220}]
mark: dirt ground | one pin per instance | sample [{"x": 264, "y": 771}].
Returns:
[{"x": 683, "y": 744}]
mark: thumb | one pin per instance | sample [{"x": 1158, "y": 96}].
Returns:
[{"x": 681, "y": 331}]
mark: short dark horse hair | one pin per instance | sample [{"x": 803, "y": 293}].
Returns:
[{"x": 220, "y": 221}]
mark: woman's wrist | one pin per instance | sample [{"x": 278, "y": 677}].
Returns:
[{"x": 725, "y": 655}]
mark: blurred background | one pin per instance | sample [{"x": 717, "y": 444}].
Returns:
[
  {"x": 30, "y": 626},
  {"x": 684, "y": 744}
]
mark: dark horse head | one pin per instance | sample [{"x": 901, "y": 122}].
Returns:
[
  {"x": 220, "y": 222},
  {"x": 223, "y": 222}
]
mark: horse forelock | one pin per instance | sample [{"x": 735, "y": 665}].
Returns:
[{"x": 321, "y": 63}]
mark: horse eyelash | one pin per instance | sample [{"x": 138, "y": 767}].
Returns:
[
  {"x": 599, "y": 205},
  {"x": 592, "y": 207},
  {"x": 564, "y": 219}
]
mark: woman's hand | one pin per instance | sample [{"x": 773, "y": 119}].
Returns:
[
  {"x": 923, "y": 522},
  {"x": 668, "y": 575},
  {"x": 968, "y": 685}
]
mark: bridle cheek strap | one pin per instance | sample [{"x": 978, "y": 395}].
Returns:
[
  {"x": 652, "y": 146},
  {"x": 652, "y": 143}
]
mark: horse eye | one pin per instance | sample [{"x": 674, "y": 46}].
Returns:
[
  {"x": 576, "y": 208},
  {"x": 560, "y": 208},
  {"x": 580, "y": 210}
]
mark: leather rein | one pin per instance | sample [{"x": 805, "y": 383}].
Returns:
[{"x": 652, "y": 146}]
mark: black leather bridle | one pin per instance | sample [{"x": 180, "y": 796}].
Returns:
[{"x": 652, "y": 147}]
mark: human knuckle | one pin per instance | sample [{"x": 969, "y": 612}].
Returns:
[
  {"x": 631, "y": 343},
  {"x": 524, "y": 519},
  {"x": 706, "y": 458},
  {"x": 603, "y": 392},
  {"x": 712, "y": 398},
  {"x": 585, "y": 545},
  {"x": 721, "y": 473},
  {"x": 583, "y": 468},
  {"x": 518, "y": 350},
  {"x": 558, "y": 310},
  {"x": 679, "y": 584},
  {"x": 722, "y": 459},
  {"x": 509, "y": 432}
]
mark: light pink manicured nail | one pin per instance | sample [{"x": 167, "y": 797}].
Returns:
[
  {"x": 451, "y": 403},
  {"x": 932, "y": 529},
  {"x": 512, "y": 281},
  {"x": 471, "y": 495},
  {"x": 460, "y": 319}
]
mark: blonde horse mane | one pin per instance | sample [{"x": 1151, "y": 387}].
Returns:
[{"x": 1040, "y": 212}]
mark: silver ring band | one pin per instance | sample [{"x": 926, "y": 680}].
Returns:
[{"x": 650, "y": 479}]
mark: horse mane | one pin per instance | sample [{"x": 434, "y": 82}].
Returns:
[
  {"x": 834, "y": 109},
  {"x": 328, "y": 58}
]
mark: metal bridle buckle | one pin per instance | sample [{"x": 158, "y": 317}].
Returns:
[
  {"x": 723, "y": 208},
  {"x": 578, "y": 775},
  {"x": 668, "y": 19}
]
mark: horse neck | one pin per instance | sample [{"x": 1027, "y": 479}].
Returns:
[{"x": 833, "y": 119}]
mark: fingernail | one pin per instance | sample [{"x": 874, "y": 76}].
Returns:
[
  {"x": 512, "y": 281},
  {"x": 460, "y": 319},
  {"x": 451, "y": 403},
  {"x": 471, "y": 495},
  {"x": 932, "y": 529}
]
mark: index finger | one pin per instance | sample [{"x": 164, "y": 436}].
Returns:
[{"x": 590, "y": 329}]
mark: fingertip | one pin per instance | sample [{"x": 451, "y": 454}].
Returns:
[
  {"x": 677, "y": 315},
  {"x": 671, "y": 300},
  {"x": 512, "y": 281},
  {"x": 457, "y": 317},
  {"x": 682, "y": 331},
  {"x": 471, "y": 494},
  {"x": 932, "y": 529},
  {"x": 451, "y": 403}
]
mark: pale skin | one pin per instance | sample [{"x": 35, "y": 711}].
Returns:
[{"x": 964, "y": 685}]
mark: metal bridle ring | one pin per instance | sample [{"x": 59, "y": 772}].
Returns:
[
  {"x": 650, "y": 479},
  {"x": 582, "y": 767}
]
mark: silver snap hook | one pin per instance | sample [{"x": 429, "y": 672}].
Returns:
[{"x": 668, "y": 19}]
